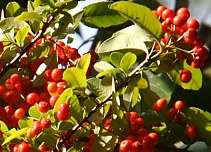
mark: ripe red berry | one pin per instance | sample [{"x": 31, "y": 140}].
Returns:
[
  {"x": 30, "y": 133},
  {"x": 179, "y": 21},
  {"x": 53, "y": 100},
  {"x": 45, "y": 123},
  {"x": 125, "y": 146},
  {"x": 36, "y": 128},
  {"x": 155, "y": 137},
  {"x": 191, "y": 131},
  {"x": 172, "y": 113},
  {"x": 183, "y": 12},
  {"x": 32, "y": 98},
  {"x": 52, "y": 87},
  {"x": 24, "y": 147},
  {"x": 15, "y": 78},
  {"x": 19, "y": 113},
  {"x": 160, "y": 10},
  {"x": 43, "y": 106},
  {"x": 193, "y": 24},
  {"x": 57, "y": 74},
  {"x": 62, "y": 115},
  {"x": 160, "y": 104},
  {"x": 185, "y": 76},
  {"x": 167, "y": 13},
  {"x": 12, "y": 96},
  {"x": 179, "y": 105}
]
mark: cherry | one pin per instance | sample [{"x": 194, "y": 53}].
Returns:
[
  {"x": 185, "y": 76},
  {"x": 43, "y": 106},
  {"x": 179, "y": 105},
  {"x": 191, "y": 131}
]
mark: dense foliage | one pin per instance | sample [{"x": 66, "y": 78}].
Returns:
[{"x": 115, "y": 97}]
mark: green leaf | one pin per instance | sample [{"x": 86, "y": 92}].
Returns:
[
  {"x": 130, "y": 97},
  {"x": 103, "y": 17},
  {"x": 75, "y": 108},
  {"x": 40, "y": 51},
  {"x": 129, "y": 39},
  {"x": 13, "y": 9},
  {"x": 102, "y": 66},
  {"x": 25, "y": 122},
  {"x": 48, "y": 139},
  {"x": 161, "y": 85},
  {"x": 76, "y": 77},
  {"x": 127, "y": 61},
  {"x": 63, "y": 98},
  {"x": 16, "y": 134},
  {"x": 44, "y": 2},
  {"x": 141, "y": 15},
  {"x": 196, "y": 81},
  {"x": 84, "y": 62},
  {"x": 100, "y": 87},
  {"x": 9, "y": 33},
  {"x": 8, "y": 22},
  {"x": 109, "y": 71},
  {"x": 3, "y": 126},
  {"x": 21, "y": 34},
  {"x": 149, "y": 97},
  {"x": 116, "y": 58},
  {"x": 29, "y": 16},
  {"x": 194, "y": 116},
  {"x": 34, "y": 112}
]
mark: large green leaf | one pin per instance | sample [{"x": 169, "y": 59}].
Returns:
[
  {"x": 141, "y": 15},
  {"x": 16, "y": 134},
  {"x": 29, "y": 16},
  {"x": 100, "y": 87},
  {"x": 13, "y": 9},
  {"x": 100, "y": 16},
  {"x": 202, "y": 120},
  {"x": 76, "y": 77},
  {"x": 130, "y": 39},
  {"x": 196, "y": 81},
  {"x": 8, "y": 22}
]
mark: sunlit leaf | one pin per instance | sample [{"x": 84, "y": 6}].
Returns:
[
  {"x": 21, "y": 34},
  {"x": 76, "y": 110},
  {"x": 3, "y": 126},
  {"x": 116, "y": 58},
  {"x": 84, "y": 62},
  {"x": 29, "y": 16},
  {"x": 102, "y": 66},
  {"x": 103, "y": 17},
  {"x": 194, "y": 116},
  {"x": 63, "y": 98},
  {"x": 141, "y": 15},
  {"x": 109, "y": 71},
  {"x": 13, "y": 9},
  {"x": 129, "y": 39},
  {"x": 127, "y": 61},
  {"x": 16, "y": 134},
  {"x": 76, "y": 77},
  {"x": 25, "y": 122}
]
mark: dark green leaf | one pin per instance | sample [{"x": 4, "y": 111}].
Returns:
[
  {"x": 141, "y": 15},
  {"x": 103, "y": 17},
  {"x": 76, "y": 109},
  {"x": 48, "y": 139},
  {"x": 76, "y": 77},
  {"x": 40, "y": 51},
  {"x": 99, "y": 87}
]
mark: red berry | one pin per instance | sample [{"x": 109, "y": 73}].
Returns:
[
  {"x": 193, "y": 24},
  {"x": 185, "y": 76},
  {"x": 45, "y": 123},
  {"x": 167, "y": 13},
  {"x": 12, "y": 96},
  {"x": 53, "y": 100},
  {"x": 179, "y": 105},
  {"x": 160, "y": 104},
  {"x": 179, "y": 21},
  {"x": 52, "y": 87},
  {"x": 155, "y": 137},
  {"x": 125, "y": 146},
  {"x": 19, "y": 113},
  {"x": 191, "y": 131},
  {"x": 10, "y": 110},
  {"x": 23, "y": 147},
  {"x": 57, "y": 74},
  {"x": 135, "y": 146},
  {"x": 183, "y": 12},
  {"x": 15, "y": 78},
  {"x": 62, "y": 115},
  {"x": 172, "y": 113},
  {"x": 32, "y": 98},
  {"x": 30, "y": 133},
  {"x": 37, "y": 129},
  {"x": 160, "y": 10},
  {"x": 43, "y": 106}
]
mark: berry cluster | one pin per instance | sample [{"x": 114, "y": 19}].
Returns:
[
  {"x": 138, "y": 139},
  {"x": 177, "y": 28}
]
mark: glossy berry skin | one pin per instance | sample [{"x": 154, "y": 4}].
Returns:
[
  {"x": 160, "y": 10},
  {"x": 155, "y": 137},
  {"x": 193, "y": 23},
  {"x": 12, "y": 96},
  {"x": 15, "y": 78},
  {"x": 19, "y": 113},
  {"x": 183, "y": 12},
  {"x": 167, "y": 13},
  {"x": 45, "y": 123},
  {"x": 32, "y": 98},
  {"x": 160, "y": 104},
  {"x": 23, "y": 147},
  {"x": 185, "y": 76},
  {"x": 56, "y": 74},
  {"x": 179, "y": 21},
  {"x": 62, "y": 115},
  {"x": 191, "y": 131},
  {"x": 179, "y": 105},
  {"x": 43, "y": 106},
  {"x": 125, "y": 146}
]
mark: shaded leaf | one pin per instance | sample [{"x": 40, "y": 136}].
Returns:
[
  {"x": 116, "y": 58},
  {"x": 103, "y": 17}
]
